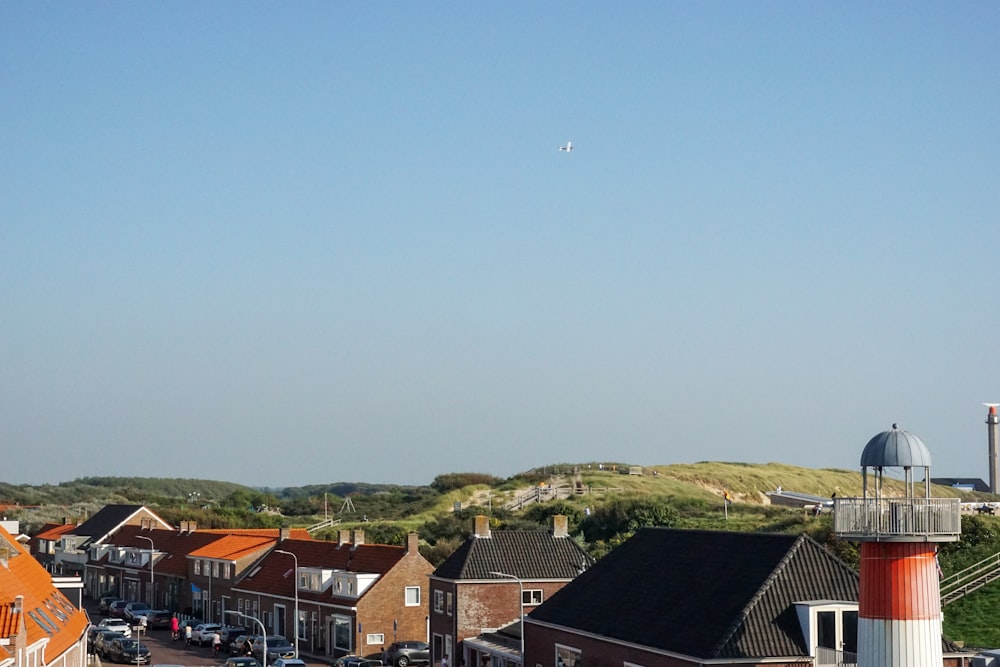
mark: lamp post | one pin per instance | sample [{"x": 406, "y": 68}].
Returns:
[
  {"x": 520, "y": 588},
  {"x": 152, "y": 582},
  {"x": 263, "y": 633},
  {"x": 296, "y": 582}
]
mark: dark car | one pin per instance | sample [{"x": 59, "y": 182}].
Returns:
[
  {"x": 158, "y": 619},
  {"x": 241, "y": 661},
  {"x": 356, "y": 661},
  {"x": 104, "y": 603},
  {"x": 103, "y": 639},
  {"x": 241, "y": 645},
  {"x": 117, "y": 608},
  {"x": 277, "y": 647},
  {"x": 402, "y": 654},
  {"x": 229, "y": 632},
  {"x": 128, "y": 651}
]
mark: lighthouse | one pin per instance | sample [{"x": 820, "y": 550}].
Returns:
[{"x": 899, "y": 605}]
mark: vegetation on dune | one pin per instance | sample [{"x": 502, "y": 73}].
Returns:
[{"x": 606, "y": 508}]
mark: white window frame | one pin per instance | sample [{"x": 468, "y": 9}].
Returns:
[
  {"x": 411, "y": 596},
  {"x": 532, "y": 596},
  {"x": 438, "y": 602}
]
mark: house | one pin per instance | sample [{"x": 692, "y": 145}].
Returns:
[
  {"x": 44, "y": 543},
  {"x": 185, "y": 570},
  {"x": 491, "y": 581},
  {"x": 214, "y": 569},
  {"x": 351, "y": 597},
  {"x": 670, "y": 598},
  {"x": 137, "y": 558},
  {"x": 39, "y": 625},
  {"x": 72, "y": 550}
]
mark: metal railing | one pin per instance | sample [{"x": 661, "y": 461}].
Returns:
[
  {"x": 887, "y": 518},
  {"x": 971, "y": 578},
  {"x": 833, "y": 657}
]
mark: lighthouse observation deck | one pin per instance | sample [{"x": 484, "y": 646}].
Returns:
[{"x": 898, "y": 519}]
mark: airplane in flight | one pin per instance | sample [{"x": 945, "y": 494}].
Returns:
[{"x": 568, "y": 147}]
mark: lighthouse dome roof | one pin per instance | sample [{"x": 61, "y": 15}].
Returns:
[{"x": 896, "y": 448}]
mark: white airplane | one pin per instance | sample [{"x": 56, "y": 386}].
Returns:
[{"x": 568, "y": 147}]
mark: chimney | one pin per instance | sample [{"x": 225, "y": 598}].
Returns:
[
  {"x": 284, "y": 533},
  {"x": 184, "y": 527},
  {"x": 192, "y": 526},
  {"x": 991, "y": 431},
  {"x": 560, "y": 525},
  {"x": 482, "y": 526},
  {"x": 67, "y": 521},
  {"x": 412, "y": 542},
  {"x": 343, "y": 537},
  {"x": 359, "y": 537}
]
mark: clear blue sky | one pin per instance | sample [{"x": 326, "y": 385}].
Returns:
[{"x": 295, "y": 243}]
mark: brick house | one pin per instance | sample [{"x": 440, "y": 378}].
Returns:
[
  {"x": 678, "y": 598},
  {"x": 73, "y": 550},
  {"x": 352, "y": 597},
  {"x": 490, "y": 580},
  {"x": 39, "y": 625}
]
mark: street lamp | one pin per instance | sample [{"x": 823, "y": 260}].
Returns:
[
  {"x": 289, "y": 553},
  {"x": 263, "y": 632},
  {"x": 520, "y": 587},
  {"x": 152, "y": 583}
]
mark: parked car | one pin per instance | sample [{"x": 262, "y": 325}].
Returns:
[
  {"x": 116, "y": 624},
  {"x": 158, "y": 619},
  {"x": 229, "y": 632},
  {"x": 241, "y": 661},
  {"x": 339, "y": 662},
  {"x": 289, "y": 662},
  {"x": 117, "y": 608},
  {"x": 277, "y": 647},
  {"x": 105, "y": 601},
  {"x": 241, "y": 645},
  {"x": 133, "y": 610},
  {"x": 405, "y": 653},
  {"x": 103, "y": 639},
  {"x": 128, "y": 651},
  {"x": 202, "y": 633},
  {"x": 357, "y": 661}
]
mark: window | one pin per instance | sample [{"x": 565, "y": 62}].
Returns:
[
  {"x": 450, "y": 604},
  {"x": 225, "y": 570},
  {"x": 239, "y": 605},
  {"x": 375, "y": 639},
  {"x": 438, "y": 602},
  {"x": 533, "y": 596},
  {"x": 197, "y": 566},
  {"x": 215, "y": 569},
  {"x": 411, "y": 596},
  {"x": 342, "y": 633},
  {"x": 567, "y": 656}
]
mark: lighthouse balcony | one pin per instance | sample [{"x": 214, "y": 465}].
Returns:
[{"x": 898, "y": 519}]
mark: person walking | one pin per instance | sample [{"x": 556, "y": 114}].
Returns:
[{"x": 175, "y": 627}]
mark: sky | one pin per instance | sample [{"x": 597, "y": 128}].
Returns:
[{"x": 300, "y": 243}]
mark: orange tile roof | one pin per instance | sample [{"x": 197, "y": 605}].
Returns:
[
  {"x": 232, "y": 547},
  {"x": 53, "y": 531},
  {"x": 46, "y": 612}
]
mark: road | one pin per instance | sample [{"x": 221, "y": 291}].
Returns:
[{"x": 163, "y": 651}]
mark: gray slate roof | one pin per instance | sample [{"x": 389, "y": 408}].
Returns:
[
  {"x": 527, "y": 554},
  {"x": 895, "y": 448},
  {"x": 705, "y": 594},
  {"x": 108, "y": 519}
]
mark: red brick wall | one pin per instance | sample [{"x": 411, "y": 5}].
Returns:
[{"x": 386, "y": 602}]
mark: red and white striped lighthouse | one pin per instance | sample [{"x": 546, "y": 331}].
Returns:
[{"x": 899, "y": 608}]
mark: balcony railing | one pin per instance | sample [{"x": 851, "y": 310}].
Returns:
[
  {"x": 901, "y": 519},
  {"x": 828, "y": 657}
]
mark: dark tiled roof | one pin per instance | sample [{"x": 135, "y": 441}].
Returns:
[
  {"x": 172, "y": 544},
  {"x": 108, "y": 519},
  {"x": 707, "y": 594},
  {"x": 527, "y": 554}
]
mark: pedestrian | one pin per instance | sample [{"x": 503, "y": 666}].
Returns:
[
  {"x": 175, "y": 627},
  {"x": 444, "y": 661},
  {"x": 216, "y": 642},
  {"x": 187, "y": 634}
]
